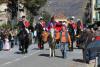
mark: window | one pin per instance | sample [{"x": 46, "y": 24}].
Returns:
[
  {"x": 98, "y": 3},
  {"x": 97, "y": 16}
]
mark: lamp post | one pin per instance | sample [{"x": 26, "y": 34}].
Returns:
[{"x": 18, "y": 10}]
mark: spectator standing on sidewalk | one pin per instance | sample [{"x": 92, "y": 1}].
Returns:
[
  {"x": 92, "y": 50},
  {"x": 6, "y": 46}
]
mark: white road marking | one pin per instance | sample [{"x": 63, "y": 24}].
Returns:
[
  {"x": 6, "y": 63},
  {"x": 18, "y": 59}
]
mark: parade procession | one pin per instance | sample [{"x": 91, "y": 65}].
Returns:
[{"x": 34, "y": 35}]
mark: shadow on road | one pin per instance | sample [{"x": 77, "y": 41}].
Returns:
[
  {"x": 46, "y": 49},
  {"x": 35, "y": 49},
  {"x": 18, "y": 52},
  {"x": 79, "y": 60},
  {"x": 45, "y": 55},
  {"x": 59, "y": 56}
]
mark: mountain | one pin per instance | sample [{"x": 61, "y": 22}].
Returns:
[{"x": 68, "y": 7}]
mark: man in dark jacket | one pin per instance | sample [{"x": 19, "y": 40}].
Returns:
[
  {"x": 86, "y": 38},
  {"x": 39, "y": 30},
  {"x": 93, "y": 49}
]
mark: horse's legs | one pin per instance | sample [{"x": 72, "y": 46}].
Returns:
[
  {"x": 53, "y": 50},
  {"x": 26, "y": 48},
  {"x": 20, "y": 46},
  {"x": 50, "y": 51},
  {"x": 23, "y": 48}
]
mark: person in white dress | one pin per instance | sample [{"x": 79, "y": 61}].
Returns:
[{"x": 6, "y": 44}]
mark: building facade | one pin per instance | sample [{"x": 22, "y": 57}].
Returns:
[
  {"x": 3, "y": 14},
  {"x": 92, "y": 11},
  {"x": 96, "y": 10}
]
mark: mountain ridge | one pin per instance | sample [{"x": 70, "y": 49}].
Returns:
[{"x": 69, "y": 7}]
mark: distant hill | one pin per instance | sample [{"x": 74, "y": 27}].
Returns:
[{"x": 69, "y": 7}]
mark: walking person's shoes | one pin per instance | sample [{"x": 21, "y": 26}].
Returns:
[
  {"x": 70, "y": 49},
  {"x": 64, "y": 57},
  {"x": 26, "y": 51},
  {"x": 23, "y": 52},
  {"x": 20, "y": 49},
  {"x": 6, "y": 49}
]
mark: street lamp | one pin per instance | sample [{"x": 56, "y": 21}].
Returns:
[{"x": 20, "y": 12}]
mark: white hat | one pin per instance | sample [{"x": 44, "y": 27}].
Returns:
[
  {"x": 73, "y": 17},
  {"x": 78, "y": 19},
  {"x": 40, "y": 18},
  {"x": 64, "y": 23}
]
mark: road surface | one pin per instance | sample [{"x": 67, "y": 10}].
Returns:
[{"x": 40, "y": 58}]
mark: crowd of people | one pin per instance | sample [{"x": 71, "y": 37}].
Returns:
[
  {"x": 8, "y": 38},
  {"x": 59, "y": 35}
]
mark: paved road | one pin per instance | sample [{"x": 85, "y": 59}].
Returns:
[{"x": 40, "y": 58}]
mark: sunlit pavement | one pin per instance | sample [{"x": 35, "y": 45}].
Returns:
[{"x": 40, "y": 58}]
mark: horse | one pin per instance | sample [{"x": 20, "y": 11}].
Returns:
[
  {"x": 23, "y": 40},
  {"x": 51, "y": 42}
]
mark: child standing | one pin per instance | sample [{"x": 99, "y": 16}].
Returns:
[{"x": 6, "y": 44}]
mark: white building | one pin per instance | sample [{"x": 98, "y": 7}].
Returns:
[
  {"x": 95, "y": 10},
  {"x": 3, "y": 14},
  {"x": 22, "y": 10},
  {"x": 92, "y": 11}
]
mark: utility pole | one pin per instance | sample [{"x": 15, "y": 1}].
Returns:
[{"x": 21, "y": 10}]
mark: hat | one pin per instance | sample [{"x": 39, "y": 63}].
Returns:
[
  {"x": 78, "y": 19},
  {"x": 40, "y": 18},
  {"x": 64, "y": 23},
  {"x": 73, "y": 17}
]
